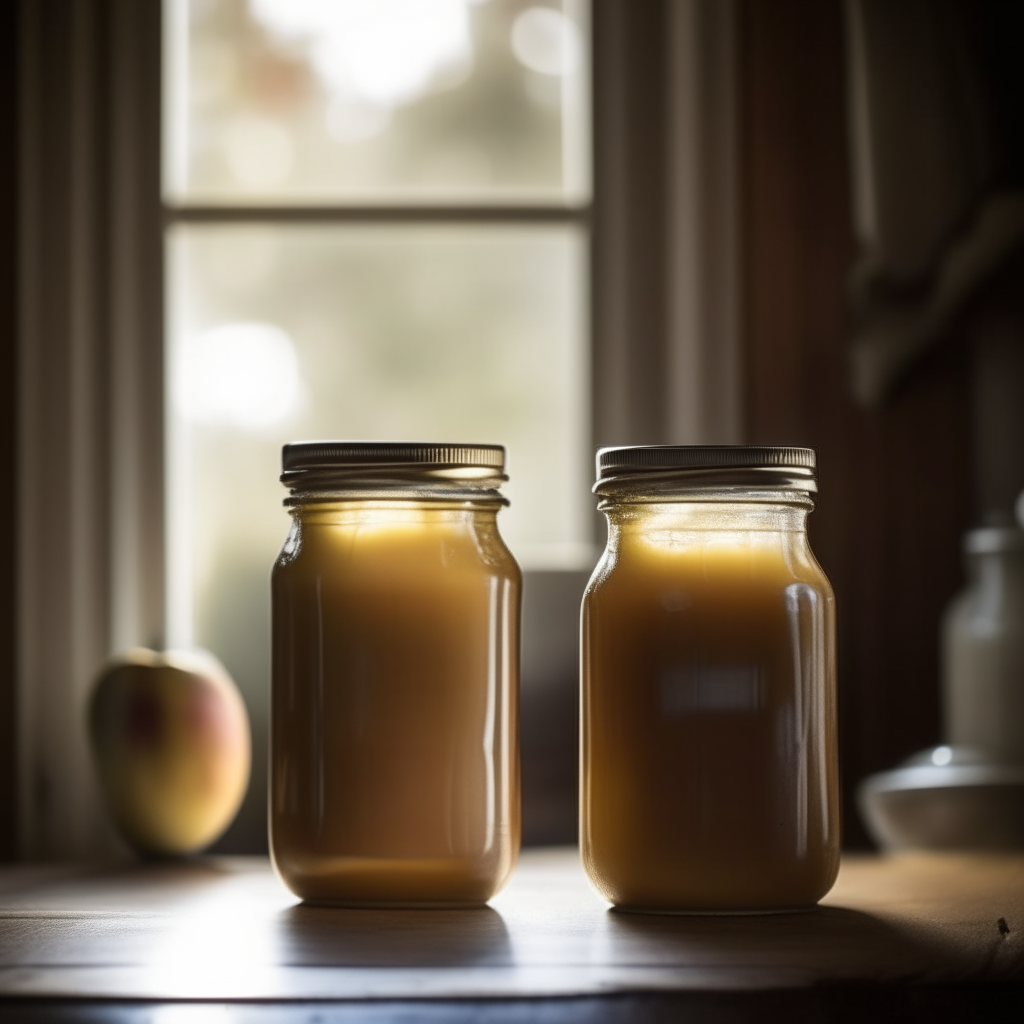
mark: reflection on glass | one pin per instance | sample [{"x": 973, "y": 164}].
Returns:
[
  {"x": 376, "y": 100},
  {"x": 386, "y": 332}
]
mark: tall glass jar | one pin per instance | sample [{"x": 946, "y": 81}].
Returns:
[
  {"x": 709, "y": 774},
  {"x": 394, "y": 731},
  {"x": 983, "y": 648}
]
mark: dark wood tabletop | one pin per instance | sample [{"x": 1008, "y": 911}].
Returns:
[{"x": 144, "y": 937}]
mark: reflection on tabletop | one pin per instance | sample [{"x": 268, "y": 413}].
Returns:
[{"x": 228, "y": 929}]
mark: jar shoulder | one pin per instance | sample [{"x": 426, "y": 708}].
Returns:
[
  {"x": 621, "y": 566},
  {"x": 311, "y": 552}
]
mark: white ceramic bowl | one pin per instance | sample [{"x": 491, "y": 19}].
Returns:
[{"x": 945, "y": 798}]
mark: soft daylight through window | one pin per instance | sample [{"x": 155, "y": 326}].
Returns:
[{"x": 377, "y": 229}]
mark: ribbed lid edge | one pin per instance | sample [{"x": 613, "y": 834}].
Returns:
[
  {"x": 303, "y": 455},
  {"x": 661, "y": 458}
]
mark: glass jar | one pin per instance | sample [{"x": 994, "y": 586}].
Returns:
[
  {"x": 709, "y": 774},
  {"x": 394, "y": 731},
  {"x": 983, "y": 648}
]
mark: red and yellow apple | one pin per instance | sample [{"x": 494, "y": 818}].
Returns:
[{"x": 170, "y": 736}]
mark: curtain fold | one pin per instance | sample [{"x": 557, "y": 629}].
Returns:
[
  {"x": 89, "y": 485},
  {"x": 665, "y": 320},
  {"x": 938, "y": 208}
]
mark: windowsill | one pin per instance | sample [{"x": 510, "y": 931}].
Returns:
[{"x": 224, "y": 929}]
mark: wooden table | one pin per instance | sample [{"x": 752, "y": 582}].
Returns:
[{"x": 904, "y": 932}]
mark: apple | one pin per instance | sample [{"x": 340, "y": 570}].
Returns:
[{"x": 170, "y": 736}]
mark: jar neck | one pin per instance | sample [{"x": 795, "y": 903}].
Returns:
[
  {"x": 359, "y": 487},
  {"x": 722, "y": 516},
  {"x": 348, "y": 511},
  {"x": 793, "y": 486},
  {"x": 997, "y": 571}
]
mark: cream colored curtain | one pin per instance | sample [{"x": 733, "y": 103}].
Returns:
[{"x": 90, "y": 491}]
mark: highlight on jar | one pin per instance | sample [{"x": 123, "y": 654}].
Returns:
[
  {"x": 394, "y": 706},
  {"x": 709, "y": 777}
]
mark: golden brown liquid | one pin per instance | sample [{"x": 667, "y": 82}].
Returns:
[
  {"x": 709, "y": 730},
  {"x": 394, "y": 764}
]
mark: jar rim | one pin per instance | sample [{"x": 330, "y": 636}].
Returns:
[
  {"x": 993, "y": 540},
  {"x": 374, "y": 492}
]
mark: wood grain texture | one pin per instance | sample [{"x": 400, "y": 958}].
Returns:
[
  {"x": 963, "y": 1003},
  {"x": 227, "y": 929},
  {"x": 895, "y": 483}
]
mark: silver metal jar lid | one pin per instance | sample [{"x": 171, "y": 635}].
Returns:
[
  {"x": 379, "y": 468},
  {"x": 658, "y": 458},
  {"x": 304, "y": 455},
  {"x": 668, "y": 467}
]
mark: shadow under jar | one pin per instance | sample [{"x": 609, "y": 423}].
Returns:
[
  {"x": 394, "y": 728},
  {"x": 709, "y": 775}
]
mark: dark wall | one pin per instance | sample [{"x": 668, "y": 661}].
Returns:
[
  {"x": 8, "y": 416},
  {"x": 895, "y": 483}
]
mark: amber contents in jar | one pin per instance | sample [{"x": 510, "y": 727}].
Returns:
[
  {"x": 709, "y": 757},
  {"x": 394, "y": 768}
]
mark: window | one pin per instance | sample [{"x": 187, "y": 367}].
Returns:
[
  {"x": 383, "y": 243},
  {"x": 377, "y": 227}
]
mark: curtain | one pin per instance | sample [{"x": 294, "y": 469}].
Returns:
[
  {"x": 89, "y": 485},
  {"x": 936, "y": 137}
]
